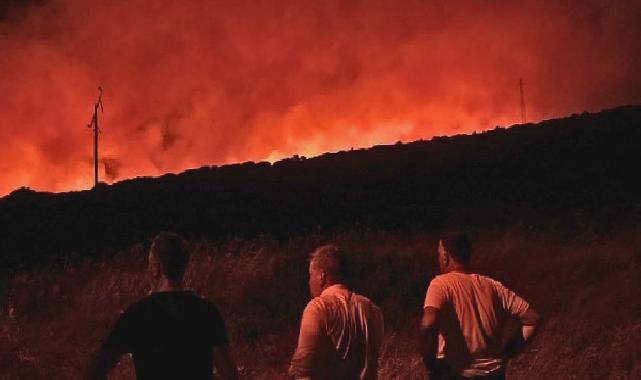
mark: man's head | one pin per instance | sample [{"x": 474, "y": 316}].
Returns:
[
  {"x": 454, "y": 251},
  {"x": 168, "y": 257},
  {"x": 327, "y": 266}
]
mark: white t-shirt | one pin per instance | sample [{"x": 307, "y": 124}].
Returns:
[
  {"x": 340, "y": 337},
  {"x": 473, "y": 310}
]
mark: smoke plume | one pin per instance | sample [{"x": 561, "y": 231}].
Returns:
[{"x": 190, "y": 83}]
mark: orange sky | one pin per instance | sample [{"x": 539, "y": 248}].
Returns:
[{"x": 191, "y": 83}]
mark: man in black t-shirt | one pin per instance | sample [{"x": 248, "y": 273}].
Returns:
[{"x": 172, "y": 333}]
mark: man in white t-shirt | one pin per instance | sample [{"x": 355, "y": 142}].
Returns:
[
  {"x": 341, "y": 331},
  {"x": 464, "y": 318}
]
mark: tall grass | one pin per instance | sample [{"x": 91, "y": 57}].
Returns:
[{"x": 587, "y": 287}]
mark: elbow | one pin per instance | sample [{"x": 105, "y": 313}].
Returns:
[
  {"x": 531, "y": 318},
  {"x": 538, "y": 320},
  {"x": 429, "y": 321},
  {"x": 427, "y": 328}
]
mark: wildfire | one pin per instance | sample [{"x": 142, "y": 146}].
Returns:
[{"x": 192, "y": 83}]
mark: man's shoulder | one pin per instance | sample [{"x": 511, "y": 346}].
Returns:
[
  {"x": 329, "y": 299},
  {"x": 317, "y": 303},
  {"x": 201, "y": 301},
  {"x": 152, "y": 300},
  {"x": 328, "y": 304},
  {"x": 198, "y": 299},
  {"x": 452, "y": 281},
  {"x": 316, "y": 308},
  {"x": 141, "y": 304},
  {"x": 489, "y": 280},
  {"x": 365, "y": 300},
  {"x": 444, "y": 279},
  {"x": 451, "y": 277}
]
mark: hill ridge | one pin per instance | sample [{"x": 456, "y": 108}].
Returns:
[{"x": 578, "y": 168}]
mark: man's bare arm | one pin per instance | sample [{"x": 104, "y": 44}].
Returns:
[
  {"x": 224, "y": 363},
  {"x": 429, "y": 338},
  {"x": 105, "y": 360},
  {"x": 530, "y": 321}
]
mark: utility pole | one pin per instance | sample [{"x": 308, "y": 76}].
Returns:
[
  {"x": 523, "y": 118},
  {"x": 94, "y": 125}
]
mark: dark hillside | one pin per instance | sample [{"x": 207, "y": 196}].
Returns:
[{"x": 575, "y": 171}]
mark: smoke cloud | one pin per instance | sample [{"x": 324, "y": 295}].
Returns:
[{"x": 191, "y": 83}]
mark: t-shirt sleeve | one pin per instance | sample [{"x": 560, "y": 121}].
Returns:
[
  {"x": 436, "y": 295},
  {"x": 122, "y": 335},
  {"x": 512, "y": 303},
  {"x": 218, "y": 332}
]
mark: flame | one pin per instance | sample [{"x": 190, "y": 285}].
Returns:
[{"x": 196, "y": 82}]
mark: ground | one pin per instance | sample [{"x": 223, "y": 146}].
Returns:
[{"x": 586, "y": 286}]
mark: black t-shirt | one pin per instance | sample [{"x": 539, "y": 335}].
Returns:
[{"x": 170, "y": 335}]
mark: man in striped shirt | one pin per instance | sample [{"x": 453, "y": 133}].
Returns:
[{"x": 341, "y": 331}]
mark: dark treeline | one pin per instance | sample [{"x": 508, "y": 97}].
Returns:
[{"x": 574, "y": 171}]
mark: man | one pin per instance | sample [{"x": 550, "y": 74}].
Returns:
[
  {"x": 468, "y": 312},
  {"x": 341, "y": 332},
  {"x": 172, "y": 333}
]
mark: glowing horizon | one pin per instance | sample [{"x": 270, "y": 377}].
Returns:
[{"x": 193, "y": 83}]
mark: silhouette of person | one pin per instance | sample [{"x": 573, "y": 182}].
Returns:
[
  {"x": 466, "y": 314},
  {"x": 341, "y": 331},
  {"x": 172, "y": 333}
]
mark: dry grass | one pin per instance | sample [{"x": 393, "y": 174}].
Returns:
[{"x": 587, "y": 287}]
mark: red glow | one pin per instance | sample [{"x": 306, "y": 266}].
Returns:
[{"x": 191, "y": 83}]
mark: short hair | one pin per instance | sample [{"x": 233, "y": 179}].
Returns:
[
  {"x": 171, "y": 252},
  {"x": 458, "y": 245},
  {"x": 330, "y": 259}
]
